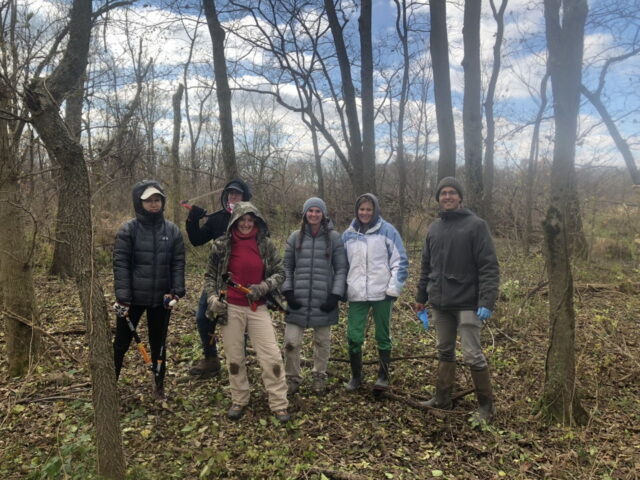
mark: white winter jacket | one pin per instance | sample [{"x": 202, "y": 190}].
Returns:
[{"x": 378, "y": 264}]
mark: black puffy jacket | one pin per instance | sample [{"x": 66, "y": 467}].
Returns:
[
  {"x": 148, "y": 257},
  {"x": 216, "y": 224}
]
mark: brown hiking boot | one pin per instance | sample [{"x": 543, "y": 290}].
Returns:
[{"x": 206, "y": 367}]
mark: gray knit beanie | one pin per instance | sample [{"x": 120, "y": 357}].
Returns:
[
  {"x": 315, "y": 202},
  {"x": 449, "y": 182}
]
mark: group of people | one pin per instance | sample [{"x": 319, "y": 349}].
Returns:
[{"x": 367, "y": 266}]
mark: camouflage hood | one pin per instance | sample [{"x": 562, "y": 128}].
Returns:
[{"x": 242, "y": 208}]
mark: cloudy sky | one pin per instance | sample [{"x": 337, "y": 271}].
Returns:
[{"x": 166, "y": 37}]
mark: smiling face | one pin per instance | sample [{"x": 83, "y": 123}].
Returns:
[
  {"x": 314, "y": 216},
  {"x": 246, "y": 223},
  {"x": 365, "y": 212},
  {"x": 449, "y": 199},
  {"x": 153, "y": 204}
]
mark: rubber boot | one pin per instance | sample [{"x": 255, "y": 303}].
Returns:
[
  {"x": 319, "y": 384},
  {"x": 445, "y": 380},
  {"x": 382, "y": 383},
  {"x": 484, "y": 394},
  {"x": 356, "y": 371},
  {"x": 293, "y": 385},
  {"x": 206, "y": 367}
]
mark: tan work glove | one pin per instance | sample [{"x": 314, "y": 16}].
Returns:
[
  {"x": 216, "y": 309},
  {"x": 258, "y": 291}
]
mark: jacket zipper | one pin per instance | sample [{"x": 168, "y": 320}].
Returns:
[{"x": 313, "y": 255}]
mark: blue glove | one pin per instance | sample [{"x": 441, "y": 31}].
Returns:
[
  {"x": 424, "y": 317},
  {"x": 484, "y": 314}
]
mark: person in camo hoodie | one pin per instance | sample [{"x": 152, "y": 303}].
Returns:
[
  {"x": 316, "y": 269},
  {"x": 247, "y": 256},
  {"x": 378, "y": 267},
  {"x": 199, "y": 233}
]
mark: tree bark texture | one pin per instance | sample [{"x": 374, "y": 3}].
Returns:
[
  {"x": 42, "y": 97},
  {"x": 366, "y": 85},
  {"x": 61, "y": 262},
  {"x": 565, "y": 43},
  {"x": 472, "y": 106},
  {"x": 17, "y": 297},
  {"x": 487, "y": 191},
  {"x": 175, "y": 155},
  {"x": 349, "y": 97},
  {"x": 223, "y": 92},
  {"x": 439, "y": 46}
]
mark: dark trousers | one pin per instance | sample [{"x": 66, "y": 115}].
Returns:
[
  {"x": 206, "y": 328},
  {"x": 157, "y": 324}
]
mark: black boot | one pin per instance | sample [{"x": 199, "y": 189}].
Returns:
[
  {"x": 484, "y": 394},
  {"x": 446, "y": 377},
  {"x": 356, "y": 371},
  {"x": 383, "y": 371}
]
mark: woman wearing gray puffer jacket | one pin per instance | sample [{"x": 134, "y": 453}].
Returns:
[{"x": 316, "y": 267}]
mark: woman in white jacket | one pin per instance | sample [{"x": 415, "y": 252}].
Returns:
[{"x": 378, "y": 269}]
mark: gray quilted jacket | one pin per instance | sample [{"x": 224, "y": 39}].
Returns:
[{"x": 313, "y": 277}]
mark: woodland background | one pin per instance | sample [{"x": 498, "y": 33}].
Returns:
[{"x": 532, "y": 104}]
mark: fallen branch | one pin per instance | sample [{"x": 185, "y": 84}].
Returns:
[
  {"x": 394, "y": 359},
  {"x": 52, "y": 398},
  {"x": 337, "y": 474},
  {"x": 436, "y": 412},
  {"x": 41, "y": 330}
]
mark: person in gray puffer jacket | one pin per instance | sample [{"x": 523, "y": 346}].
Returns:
[
  {"x": 316, "y": 268},
  {"x": 148, "y": 271}
]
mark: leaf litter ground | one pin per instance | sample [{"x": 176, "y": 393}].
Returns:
[{"x": 46, "y": 426}]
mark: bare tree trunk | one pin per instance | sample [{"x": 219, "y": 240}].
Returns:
[
  {"x": 402, "y": 31},
  {"x": 175, "y": 155},
  {"x": 17, "y": 298},
  {"x": 439, "y": 46},
  {"x": 472, "y": 106},
  {"x": 349, "y": 98},
  {"x": 565, "y": 43},
  {"x": 531, "y": 166},
  {"x": 42, "y": 97},
  {"x": 368, "y": 115},
  {"x": 61, "y": 263},
  {"x": 317, "y": 158},
  {"x": 223, "y": 92},
  {"x": 487, "y": 203},
  {"x": 621, "y": 143}
]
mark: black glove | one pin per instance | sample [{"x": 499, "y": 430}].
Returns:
[
  {"x": 390, "y": 297},
  {"x": 330, "y": 303},
  {"x": 196, "y": 213},
  {"x": 291, "y": 300}
]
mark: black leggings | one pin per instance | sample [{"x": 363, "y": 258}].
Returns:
[{"x": 157, "y": 324}]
